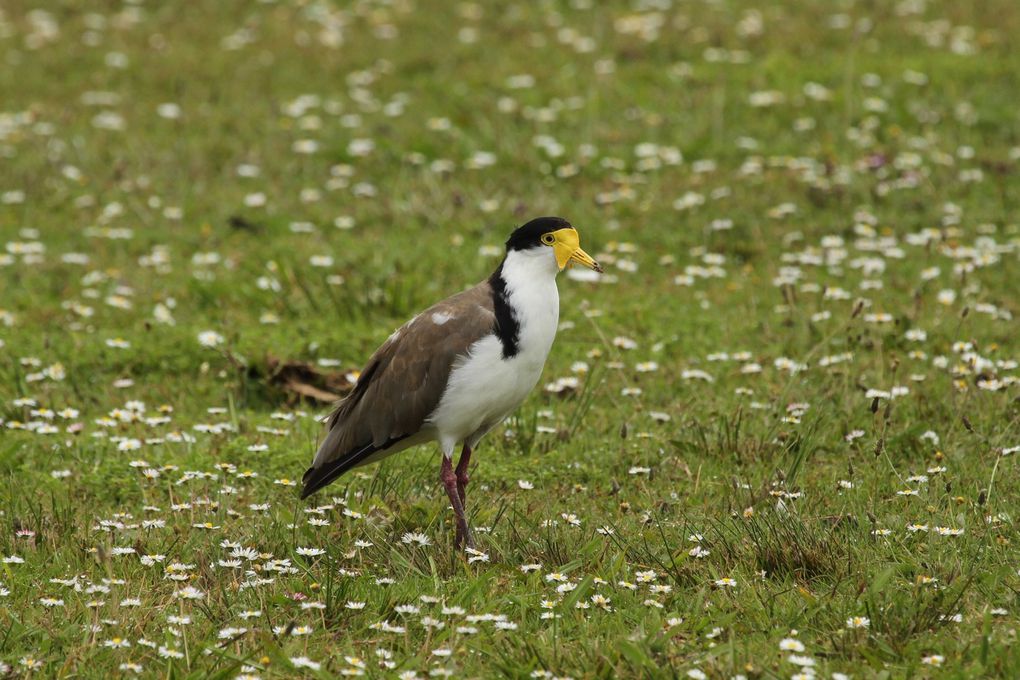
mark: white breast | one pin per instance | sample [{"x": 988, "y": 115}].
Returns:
[{"x": 485, "y": 388}]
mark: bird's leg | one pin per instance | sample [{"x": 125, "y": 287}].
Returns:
[
  {"x": 449, "y": 478},
  {"x": 462, "y": 474}
]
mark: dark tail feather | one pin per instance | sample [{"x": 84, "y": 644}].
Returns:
[{"x": 317, "y": 477}]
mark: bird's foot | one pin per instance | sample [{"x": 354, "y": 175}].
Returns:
[{"x": 464, "y": 539}]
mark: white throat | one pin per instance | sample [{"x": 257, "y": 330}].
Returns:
[
  {"x": 530, "y": 277},
  {"x": 522, "y": 267}
]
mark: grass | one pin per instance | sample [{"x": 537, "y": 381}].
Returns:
[{"x": 783, "y": 196}]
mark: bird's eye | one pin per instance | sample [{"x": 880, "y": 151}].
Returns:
[{"x": 548, "y": 239}]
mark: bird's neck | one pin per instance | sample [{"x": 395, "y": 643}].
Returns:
[{"x": 526, "y": 303}]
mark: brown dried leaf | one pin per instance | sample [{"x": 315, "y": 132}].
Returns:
[{"x": 302, "y": 379}]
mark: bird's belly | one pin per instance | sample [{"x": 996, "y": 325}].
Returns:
[{"x": 485, "y": 389}]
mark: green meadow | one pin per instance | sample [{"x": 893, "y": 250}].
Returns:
[{"x": 777, "y": 438}]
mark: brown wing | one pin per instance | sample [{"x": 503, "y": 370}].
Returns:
[{"x": 401, "y": 384}]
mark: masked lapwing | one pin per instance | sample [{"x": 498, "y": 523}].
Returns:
[{"x": 459, "y": 368}]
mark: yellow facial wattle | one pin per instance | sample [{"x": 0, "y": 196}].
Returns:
[{"x": 567, "y": 248}]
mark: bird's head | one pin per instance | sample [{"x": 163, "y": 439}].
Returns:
[{"x": 551, "y": 237}]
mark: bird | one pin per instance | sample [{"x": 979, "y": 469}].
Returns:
[{"x": 456, "y": 370}]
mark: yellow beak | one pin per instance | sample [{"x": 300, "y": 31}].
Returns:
[{"x": 567, "y": 248}]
